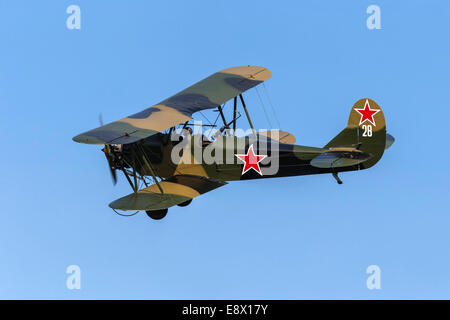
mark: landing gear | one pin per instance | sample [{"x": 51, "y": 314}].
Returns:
[
  {"x": 157, "y": 214},
  {"x": 186, "y": 203}
]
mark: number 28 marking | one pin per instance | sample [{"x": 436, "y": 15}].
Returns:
[{"x": 367, "y": 130}]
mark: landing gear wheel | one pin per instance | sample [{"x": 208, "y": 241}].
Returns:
[
  {"x": 157, "y": 214},
  {"x": 186, "y": 203}
]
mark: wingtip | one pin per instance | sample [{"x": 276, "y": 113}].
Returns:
[
  {"x": 252, "y": 72},
  {"x": 77, "y": 138},
  {"x": 82, "y": 138}
]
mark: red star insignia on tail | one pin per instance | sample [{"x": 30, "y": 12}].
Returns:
[
  {"x": 367, "y": 113},
  {"x": 251, "y": 160}
]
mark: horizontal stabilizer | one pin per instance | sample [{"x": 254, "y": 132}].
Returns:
[
  {"x": 340, "y": 157},
  {"x": 389, "y": 141}
]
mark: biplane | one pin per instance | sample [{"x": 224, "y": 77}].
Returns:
[{"x": 142, "y": 145}]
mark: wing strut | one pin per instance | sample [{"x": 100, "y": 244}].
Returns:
[
  {"x": 234, "y": 115},
  {"x": 149, "y": 166},
  {"x": 225, "y": 125},
  {"x": 129, "y": 180},
  {"x": 248, "y": 116}
]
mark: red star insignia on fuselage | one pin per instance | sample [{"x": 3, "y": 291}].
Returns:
[
  {"x": 367, "y": 113},
  {"x": 251, "y": 160}
]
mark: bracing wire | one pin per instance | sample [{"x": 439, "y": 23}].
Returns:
[
  {"x": 264, "y": 108},
  {"x": 217, "y": 118},
  {"x": 271, "y": 105},
  {"x": 205, "y": 118}
]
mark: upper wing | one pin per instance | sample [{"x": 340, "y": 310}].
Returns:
[
  {"x": 206, "y": 94},
  {"x": 177, "y": 189}
]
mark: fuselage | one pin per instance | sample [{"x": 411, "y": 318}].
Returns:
[{"x": 217, "y": 159}]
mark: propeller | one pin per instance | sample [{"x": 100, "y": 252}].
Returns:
[
  {"x": 109, "y": 156},
  {"x": 107, "y": 151}
]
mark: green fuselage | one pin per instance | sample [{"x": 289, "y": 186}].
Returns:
[{"x": 292, "y": 160}]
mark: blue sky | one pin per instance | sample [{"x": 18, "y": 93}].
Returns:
[{"x": 293, "y": 238}]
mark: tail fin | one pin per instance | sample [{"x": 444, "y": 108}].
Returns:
[{"x": 366, "y": 131}]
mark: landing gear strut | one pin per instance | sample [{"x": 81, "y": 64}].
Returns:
[{"x": 157, "y": 214}]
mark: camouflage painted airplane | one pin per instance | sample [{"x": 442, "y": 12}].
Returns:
[{"x": 141, "y": 145}]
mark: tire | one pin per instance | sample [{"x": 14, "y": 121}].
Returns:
[
  {"x": 157, "y": 214},
  {"x": 184, "y": 204}
]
